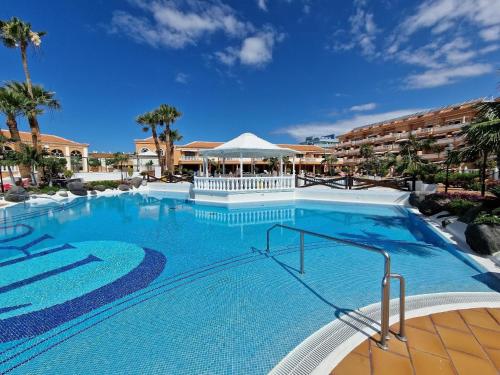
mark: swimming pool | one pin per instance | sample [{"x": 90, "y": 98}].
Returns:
[{"x": 138, "y": 284}]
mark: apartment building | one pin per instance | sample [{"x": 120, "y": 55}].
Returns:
[
  {"x": 188, "y": 156},
  {"x": 441, "y": 124}
]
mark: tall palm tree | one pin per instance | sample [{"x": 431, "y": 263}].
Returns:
[
  {"x": 482, "y": 138},
  {"x": 167, "y": 115},
  {"x": 16, "y": 33},
  {"x": 150, "y": 121},
  {"x": 410, "y": 162},
  {"x": 175, "y": 136},
  {"x": 30, "y": 158},
  {"x": 35, "y": 104},
  {"x": 12, "y": 105}
]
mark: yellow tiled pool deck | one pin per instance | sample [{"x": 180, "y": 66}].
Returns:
[{"x": 459, "y": 342}]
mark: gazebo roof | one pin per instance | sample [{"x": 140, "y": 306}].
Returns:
[{"x": 248, "y": 145}]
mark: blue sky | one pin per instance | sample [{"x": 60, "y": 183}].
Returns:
[{"x": 282, "y": 69}]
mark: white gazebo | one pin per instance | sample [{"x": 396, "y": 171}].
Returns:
[{"x": 246, "y": 147}]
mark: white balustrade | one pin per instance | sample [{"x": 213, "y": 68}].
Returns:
[{"x": 244, "y": 184}]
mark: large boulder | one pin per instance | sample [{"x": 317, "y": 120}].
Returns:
[
  {"x": 16, "y": 194},
  {"x": 483, "y": 238},
  {"x": 430, "y": 206},
  {"x": 123, "y": 187},
  {"x": 100, "y": 188},
  {"x": 136, "y": 182},
  {"x": 416, "y": 197},
  {"x": 77, "y": 188},
  {"x": 93, "y": 192}
]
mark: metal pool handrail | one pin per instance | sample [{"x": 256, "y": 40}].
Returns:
[{"x": 386, "y": 285}]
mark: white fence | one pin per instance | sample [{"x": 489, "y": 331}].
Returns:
[{"x": 244, "y": 184}]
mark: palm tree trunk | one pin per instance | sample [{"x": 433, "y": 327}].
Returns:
[
  {"x": 158, "y": 148},
  {"x": 167, "y": 151},
  {"x": 16, "y": 138},
  {"x": 35, "y": 136},
  {"x": 24, "y": 59},
  {"x": 11, "y": 175},
  {"x": 484, "y": 164}
]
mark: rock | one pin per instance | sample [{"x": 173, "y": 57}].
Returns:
[
  {"x": 16, "y": 194},
  {"x": 136, "y": 182},
  {"x": 471, "y": 214},
  {"x": 51, "y": 193},
  {"x": 431, "y": 207},
  {"x": 100, "y": 188},
  {"x": 416, "y": 197},
  {"x": 483, "y": 238},
  {"x": 123, "y": 187},
  {"x": 144, "y": 183},
  {"x": 93, "y": 192},
  {"x": 77, "y": 188},
  {"x": 62, "y": 193}
]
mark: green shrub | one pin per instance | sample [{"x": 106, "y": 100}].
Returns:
[
  {"x": 43, "y": 189},
  {"x": 68, "y": 173},
  {"x": 487, "y": 219},
  {"x": 463, "y": 180},
  {"x": 109, "y": 184},
  {"x": 459, "y": 207}
]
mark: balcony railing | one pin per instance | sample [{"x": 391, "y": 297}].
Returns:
[{"x": 237, "y": 184}]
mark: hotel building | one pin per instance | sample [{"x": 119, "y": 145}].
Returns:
[
  {"x": 188, "y": 156},
  {"x": 442, "y": 125},
  {"x": 75, "y": 153}
]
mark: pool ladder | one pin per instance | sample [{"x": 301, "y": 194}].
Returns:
[{"x": 386, "y": 285}]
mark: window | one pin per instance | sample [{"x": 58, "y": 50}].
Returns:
[
  {"x": 76, "y": 154},
  {"x": 57, "y": 153},
  {"x": 144, "y": 149}
]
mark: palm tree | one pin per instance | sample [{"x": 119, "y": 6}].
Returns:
[
  {"x": 12, "y": 105},
  {"x": 329, "y": 160},
  {"x": 167, "y": 115},
  {"x": 482, "y": 138},
  {"x": 273, "y": 163},
  {"x": 410, "y": 161},
  {"x": 175, "y": 136},
  {"x": 118, "y": 159},
  {"x": 31, "y": 158},
  {"x": 34, "y": 104},
  {"x": 150, "y": 121},
  {"x": 16, "y": 33}
]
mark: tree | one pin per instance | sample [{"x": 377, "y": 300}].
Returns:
[
  {"x": 94, "y": 162},
  {"x": 329, "y": 160},
  {"x": 52, "y": 167},
  {"x": 150, "y": 121},
  {"x": 16, "y": 33},
  {"x": 34, "y": 105},
  {"x": 410, "y": 162},
  {"x": 118, "y": 159},
  {"x": 12, "y": 105},
  {"x": 175, "y": 136},
  {"x": 29, "y": 157},
  {"x": 273, "y": 163},
  {"x": 482, "y": 138},
  {"x": 167, "y": 115}
]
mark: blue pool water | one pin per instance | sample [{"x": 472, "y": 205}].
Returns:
[{"x": 137, "y": 284}]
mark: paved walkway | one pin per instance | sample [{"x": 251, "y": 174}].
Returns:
[{"x": 457, "y": 342}]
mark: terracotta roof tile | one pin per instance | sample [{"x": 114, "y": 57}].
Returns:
[{"x": 45, "y": 138}]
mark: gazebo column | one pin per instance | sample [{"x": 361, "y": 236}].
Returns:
[
  {"x": 224, "y": 166},
  {"x": 293, "y": 171},
  {"x": 241, "y": 171}
]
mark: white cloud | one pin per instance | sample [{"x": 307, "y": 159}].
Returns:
[
  {"x": 256, "y": 50},
  {"x": 175, "y": 25},
  {"x": 300, "y": 131},
  {"x": 363, "y": 107},
  {"x": 446, "y": 76},
  {"x": 362, "y": 33},
  {"x": 491, "y": 34},
  {"x": 262, "y": 4},
  {"x": 181, "y": 78}
]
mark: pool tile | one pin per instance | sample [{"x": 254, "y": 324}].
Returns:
[
  {"x": 423, "y": 322},
  {"x": 467, "y": 364},
  {"x": 461, "y": 341},
  {"x": 480, "y": 318},
  {"x": 425, "y": 364},
  {"x": 425, "y": 341},
  {"x": 354, "y": 363},
  {"x": 388, "y": 363},
  {"x": 450, "y": 319}
]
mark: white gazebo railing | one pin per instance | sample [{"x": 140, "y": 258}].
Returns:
[{"x": 258, "y": 183}]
